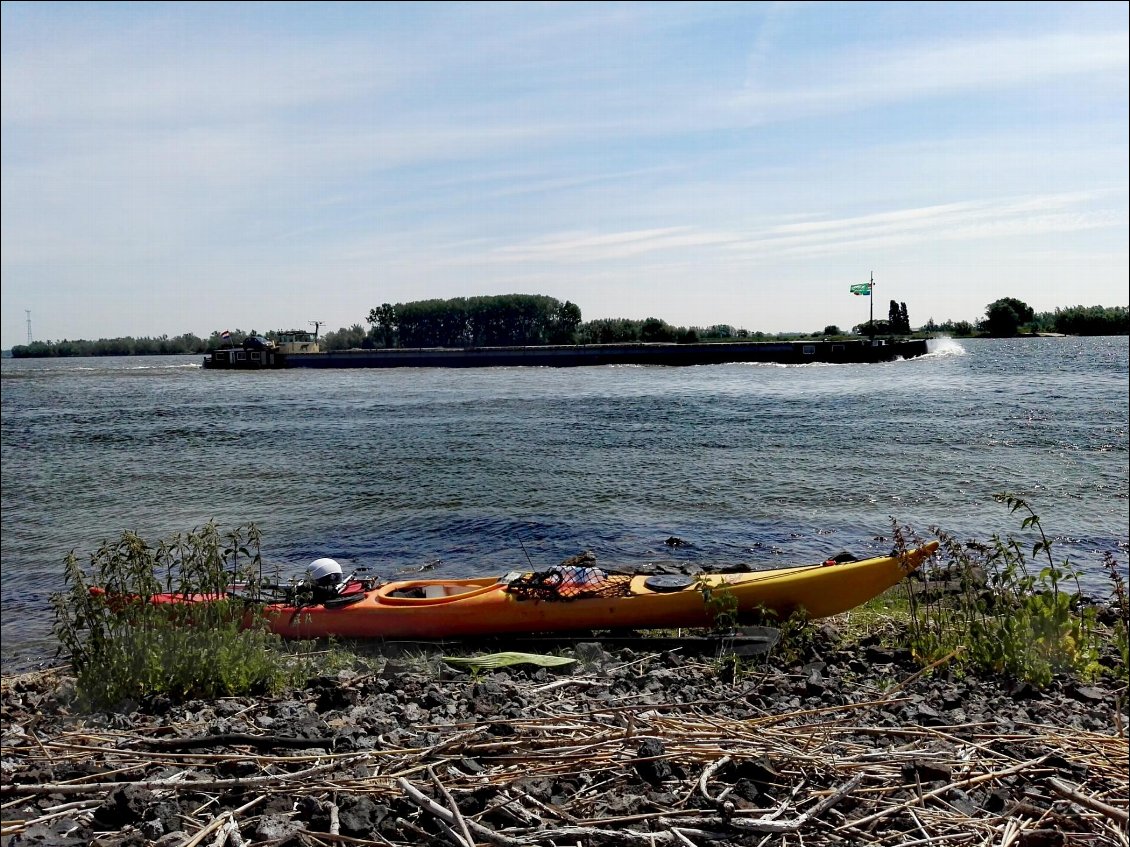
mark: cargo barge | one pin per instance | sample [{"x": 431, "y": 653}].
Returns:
[{"x": 851, "y": 351}]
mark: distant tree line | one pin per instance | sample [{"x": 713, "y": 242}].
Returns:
[
  {"x": 1085, "y": 320},
  {"x": 512, "y": 320},
  {"x": 1008, "y": 317},
  {"x": 163, "y": 346},
  {"x": 601, "y": 331},
  {"x": 527, "y": 319},
  {"x": 181, "y": 345}
]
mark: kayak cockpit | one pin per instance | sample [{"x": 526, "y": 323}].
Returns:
[{"x": 426, "y": 592}]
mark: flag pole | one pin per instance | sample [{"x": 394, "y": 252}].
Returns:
[{"x": 872, "y": 292}]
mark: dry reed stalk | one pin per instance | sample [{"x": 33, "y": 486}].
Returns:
[
  {"x": 196, "y": 785},
  {"x": 596, "y": 747}
]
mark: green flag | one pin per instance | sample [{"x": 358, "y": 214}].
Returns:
[{"x": 864, "y": 288}]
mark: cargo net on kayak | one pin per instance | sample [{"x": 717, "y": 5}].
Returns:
[{"x": 569, "y": 582}]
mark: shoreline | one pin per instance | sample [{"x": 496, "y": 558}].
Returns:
[{"x": 839, "y": 742}]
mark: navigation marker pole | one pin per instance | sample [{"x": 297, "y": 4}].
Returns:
[{"x": 871, "y": 292}]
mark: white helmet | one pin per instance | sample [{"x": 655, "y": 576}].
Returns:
[{"x": 325, "y": 571}]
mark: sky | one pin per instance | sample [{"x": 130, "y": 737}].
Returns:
[{"x": 181, "y": 167}]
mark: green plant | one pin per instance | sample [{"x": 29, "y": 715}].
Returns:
[
  {"x": 122, "y": 645},
  {"x": 1120, "y": 631},
  {"x": 1005, "y": 615},
  {"x": 730, "y": 667},
  {"x": 721, "y": 604}
]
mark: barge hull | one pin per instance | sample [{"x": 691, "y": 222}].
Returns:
[{"x": 565, "y": 356}]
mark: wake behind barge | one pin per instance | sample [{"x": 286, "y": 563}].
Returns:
[{"x": 851, "y": 351}]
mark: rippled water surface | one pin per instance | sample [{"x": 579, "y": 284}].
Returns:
[{"x": 394, "y": 469}]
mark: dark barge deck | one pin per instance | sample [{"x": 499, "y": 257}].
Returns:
[{"x": 853, "y": 351}]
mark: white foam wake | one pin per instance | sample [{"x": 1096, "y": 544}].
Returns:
[{"x": 944, "y": 346}]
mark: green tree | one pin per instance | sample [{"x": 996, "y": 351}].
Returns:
[
  {"x": 565, "y": 322},
  {"x": 609, "y": 331},
  {"x": 898, "y": 319},
  {"x": 721, "y": 332},
  {"x": 508, "y": 319},
  {"x": 958, "y": 328},
  {"x": 1005, "y": 317},
  {"x": 383, "y": 318},
  {"x": 354, "y": 338},
  {"x": 873, "y": 328},
  {"x": 654, "y": 330}
]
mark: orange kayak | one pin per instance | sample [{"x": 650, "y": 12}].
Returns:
[{"x": 574, "y": 599}]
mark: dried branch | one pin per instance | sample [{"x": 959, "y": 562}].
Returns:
[{"x": 1086, "y": 801}]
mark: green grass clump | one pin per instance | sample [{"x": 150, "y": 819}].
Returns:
[
  {"x": 123, "y": 647},
  {"x": 1015, "y": 611}
]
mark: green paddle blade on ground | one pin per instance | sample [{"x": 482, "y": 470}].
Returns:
[{"x": 505, "y": 660}]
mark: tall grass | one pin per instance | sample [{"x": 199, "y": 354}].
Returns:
[
  {"x": 122, "y": 646},
  {"x": 1014, "y": 608}
]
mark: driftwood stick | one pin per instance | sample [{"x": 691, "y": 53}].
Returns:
[
  {"x": 216, "y": 823},
  {"x": 708, "y": 772},
  {"x": 319, "y": 837},
  {"x": 1010, "y": 832},
  {"x": 452, "y": 835},
  {"x": 1086, "y": 801},
  {"x": 239, "y": 739},
  {"x": 64, "y": 809},
  {"x": 627, "y": 837},
  {"x": 506, "y": 804},
  {"x": 229, "y": 834},
  {"x": 545, "y": 807},
  {"x": 962, "y": 783},
  {"x": 767, "y": 823},
  {"x": 429, "y": 805},
  {"x": 835, "y": 797},
  {"x": 577, "y": 834},
  {"x": 445, "y": 817},
  {"x": 569, "y": 682},
  {"x": 451, "y": 804},
  {"x": 177, "y": 784},
  {"x": 949, "y": 837},
  {"x": 85, "y": 810}
]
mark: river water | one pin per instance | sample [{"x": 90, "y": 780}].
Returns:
[{"x": 471, "y": 471}]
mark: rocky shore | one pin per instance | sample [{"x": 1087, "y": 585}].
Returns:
[{"x": 627, "y": 745}]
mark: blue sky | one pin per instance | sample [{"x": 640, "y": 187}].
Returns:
[{"x": 172, "y": 168}]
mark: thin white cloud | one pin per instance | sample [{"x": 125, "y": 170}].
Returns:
[
  {"x": 851, "y": 80},
  {"x": 1063, "y": 213},
  {"x": 148, "y": 76}
]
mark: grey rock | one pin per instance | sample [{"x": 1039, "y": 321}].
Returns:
[
  {"x": 360, "y": 816},
  {"x": 275, "y": 827},
  {"x": 654, "y": 769}
]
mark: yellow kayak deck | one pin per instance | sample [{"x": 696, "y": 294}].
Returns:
[{"x": 461, "y": 608}]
